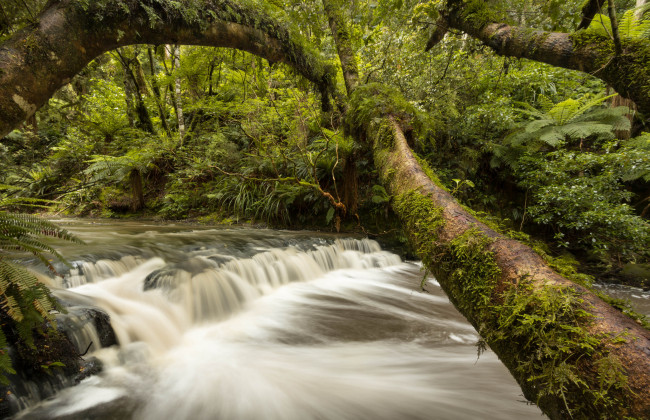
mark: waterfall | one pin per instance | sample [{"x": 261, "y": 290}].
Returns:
[{"x": 249, "y": 324}]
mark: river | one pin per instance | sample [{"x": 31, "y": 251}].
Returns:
[{"x": 222, "y": 323}]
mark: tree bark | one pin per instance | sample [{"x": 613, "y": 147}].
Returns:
[
  {"x": 590, "y": 9},
  {"x": 341, "y": 34},
  {"x": 611, "y": 11},
  {"x": 156, "y": 93},
  {"x": 638, "y": 13},
  {"x": 134, "y": 88},
  {"x": 135, "y": 179},
  {"x": 42, "y": 57},
  {"x": 437, "y": 233},
  {"x": 176, "y": 57},
  {"x": 628, "y": 72}
]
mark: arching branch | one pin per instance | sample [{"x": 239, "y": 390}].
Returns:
[
  {"x": 44, "y": 56},
  {"x": 627, "y": 72}
]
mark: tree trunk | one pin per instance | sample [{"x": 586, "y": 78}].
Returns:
[
  {"x": 41, "y": 58},
  {"x": 176, "y": 57},
  {"x": 135, "y": 179},
  {"x": 638, "y": 13},
  {"x": 628, "y": 72},
  {"x": 589, "y": 10},
  {"x": 128, "y": 98},
  {"x": 571, "y": 352},
  {"x": 156, "y": 93},
  {"x": 341, "y": 34},
  {"x": 134, "y": 88}
]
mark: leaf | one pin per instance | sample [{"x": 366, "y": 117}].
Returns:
[
  {"x": 329, "y": 216},
  {"x": 552, "y": 138}
]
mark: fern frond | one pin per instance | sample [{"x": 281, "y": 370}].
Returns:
[
  {"x": 552, "y": 137},
  {"x": 537, "y": 125},
  {"x": 11, "y": 307},
  {"x": 5, "y": 360},
  {"x": 628, "y": 26},
  {"x": 564, "y": 111},
  {"x": 589, "y": 104},
  {"x": 584, "y": 130},
  {"x": 545, "y": 103}
]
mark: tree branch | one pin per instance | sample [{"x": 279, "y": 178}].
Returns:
[{"x": 611, "y": 9}]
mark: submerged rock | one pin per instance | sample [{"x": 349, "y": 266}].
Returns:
[{"x": 170, "y": 276}]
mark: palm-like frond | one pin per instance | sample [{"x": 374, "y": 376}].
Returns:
[
  {"x": 628, "y": 27},
  {"x": 556, "y": 124},
  {"x": 117, "y": 168}
]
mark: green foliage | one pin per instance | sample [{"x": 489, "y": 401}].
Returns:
[
  {"x": 582, "y": 195},
  {"x": 371, "y": 101},
  {"x": 560, "y": 124},
  {"x": 26, "y": 304},
  {"x": 628, "y": 26},
  {"x": 117, "y": 168},
  {"x": 575, "y": 175}
]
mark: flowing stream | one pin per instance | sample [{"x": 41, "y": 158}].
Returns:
[{"x": 261, "y": 324}]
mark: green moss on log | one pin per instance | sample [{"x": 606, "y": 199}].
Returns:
[
  {"x": 200, "y": 14},
  {"x": 558, "y": 360},
  {"x": 629, "y": 72},
  {"x": 541, "y": 331},
  {"x": 373, "y": 102}
]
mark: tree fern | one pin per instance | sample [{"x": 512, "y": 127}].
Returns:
[{"x": 560, "y": 125}]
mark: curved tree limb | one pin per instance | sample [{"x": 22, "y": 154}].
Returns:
[
  {"x": 628, "y": 72},
  {"x": 41, "y": 58}
]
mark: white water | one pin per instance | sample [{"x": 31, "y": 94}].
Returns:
[{"x": 266, "y": 325}]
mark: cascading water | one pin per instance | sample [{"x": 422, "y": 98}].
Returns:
[{"x": 257, "y": 324}]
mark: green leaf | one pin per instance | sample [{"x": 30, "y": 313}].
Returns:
[{"x": 330, "y": 215}]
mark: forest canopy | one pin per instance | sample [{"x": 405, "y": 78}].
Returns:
[{"x": 533, "y": 114}]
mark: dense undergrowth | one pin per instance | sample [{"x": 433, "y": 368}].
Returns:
[{"x": 222, "y": 136}]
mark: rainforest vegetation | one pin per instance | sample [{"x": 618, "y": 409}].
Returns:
[{"x": 463, "y": 118}]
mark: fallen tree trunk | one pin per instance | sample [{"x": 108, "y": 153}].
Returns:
[
  {"x": 628, "y": 72},
  {"x": 41, "y": 58},
  {"x": 572, "y": 353}
]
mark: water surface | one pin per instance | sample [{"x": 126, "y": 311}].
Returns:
[{"x": 261, "y": 324}]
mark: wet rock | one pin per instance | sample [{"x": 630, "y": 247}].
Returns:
[
  {"x": 50, "y": 365},
  {"x": 119, "y": 408},
  {"x": 84, "y": 325},
  {"x": 54, "y": 362},
  {"x": 170, "y": 276}
]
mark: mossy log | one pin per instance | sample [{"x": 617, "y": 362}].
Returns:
[
  {"x": 628, "y": 72},
  {"x": 68, "y": 34},
  {"x": 572, "y": 353}
]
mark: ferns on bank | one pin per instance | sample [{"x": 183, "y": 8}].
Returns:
[{"x": 26, "y": 305}]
